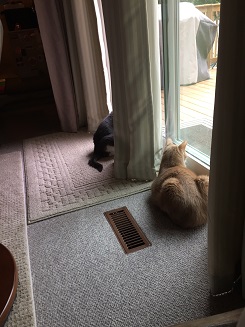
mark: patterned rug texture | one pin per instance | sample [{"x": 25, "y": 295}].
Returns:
[{"x": 59, "y": 179}]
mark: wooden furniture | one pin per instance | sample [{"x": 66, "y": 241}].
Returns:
[
  {"x": 223, "y": 319},
  {"x": 8, "y": 282},
  {"x": 23, "y": 66}
]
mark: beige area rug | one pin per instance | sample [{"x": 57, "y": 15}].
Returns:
[
  {"x": 13, "y": 235},
  {"x": 59, "y": 179}
]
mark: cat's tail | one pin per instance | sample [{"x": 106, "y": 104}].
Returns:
[
  {"x": 202, "y": 183},
  {"x": 95, "y": 164}
]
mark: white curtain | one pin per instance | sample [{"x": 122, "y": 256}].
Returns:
[
  {"x": 227, "y": 173},
  {"x": 72, "y": 48},
  {"x": 75, "y": 61},
  {"x": 133, "y": 44}
]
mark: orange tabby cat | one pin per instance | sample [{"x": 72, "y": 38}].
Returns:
[{"x": 178, "y": 191}]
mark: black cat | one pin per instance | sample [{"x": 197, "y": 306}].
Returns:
[{"x": 103, "y": 142}]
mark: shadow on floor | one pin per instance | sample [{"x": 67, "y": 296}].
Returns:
[{"x": 26, "y": 116}]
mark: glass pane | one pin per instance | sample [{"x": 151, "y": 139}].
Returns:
[
  {"x": 190, "y": 47},
  {"x": 198, "y": 40}
]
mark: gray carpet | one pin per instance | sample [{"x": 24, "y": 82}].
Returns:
[
  {"x": 59, "y": 180},
  {"x": 198, "y": 136},
  {"x": 81, "y": 276},
  {"x": 13, "y": 233}
]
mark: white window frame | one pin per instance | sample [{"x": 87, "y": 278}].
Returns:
[{"x": 197, "y": 162}]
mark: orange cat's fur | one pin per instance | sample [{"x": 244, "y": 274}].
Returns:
[{"x": 178, "y": 191}]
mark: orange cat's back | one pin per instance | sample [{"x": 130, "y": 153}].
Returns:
[{"x": 178, "y": 191}]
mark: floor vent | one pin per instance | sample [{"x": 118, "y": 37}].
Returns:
[{"x": 127, "y": 230}]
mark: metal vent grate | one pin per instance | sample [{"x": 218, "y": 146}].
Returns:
[{"x": 127, "y": 230}]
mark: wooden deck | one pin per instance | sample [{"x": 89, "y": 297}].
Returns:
[{"x": 197, "y": 101}]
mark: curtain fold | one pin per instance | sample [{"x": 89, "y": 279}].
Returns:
[
  {"x": 227, "y": 174},
  {"x": 52, "y": 34},
  {"x": 133, "y": 43},
  {"x": 104, "y": 50},
  {"x": 90, "y": 59},
  {"x": 72, "y": 49},
  {"x": 170, "y": 32},
  {"x": 74, "y": 63}
]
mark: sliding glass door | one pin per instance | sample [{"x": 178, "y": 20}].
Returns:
[{"x": 190, "y": 61}]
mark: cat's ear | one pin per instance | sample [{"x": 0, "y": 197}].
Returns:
[
  {"x": 169, "y": 141},
  {"x": 182, "y": 146}
]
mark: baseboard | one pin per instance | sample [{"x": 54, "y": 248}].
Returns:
[{"x": 225, "y": 319}]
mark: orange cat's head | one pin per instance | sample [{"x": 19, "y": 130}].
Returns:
[{"x": 174, "y": 155}]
